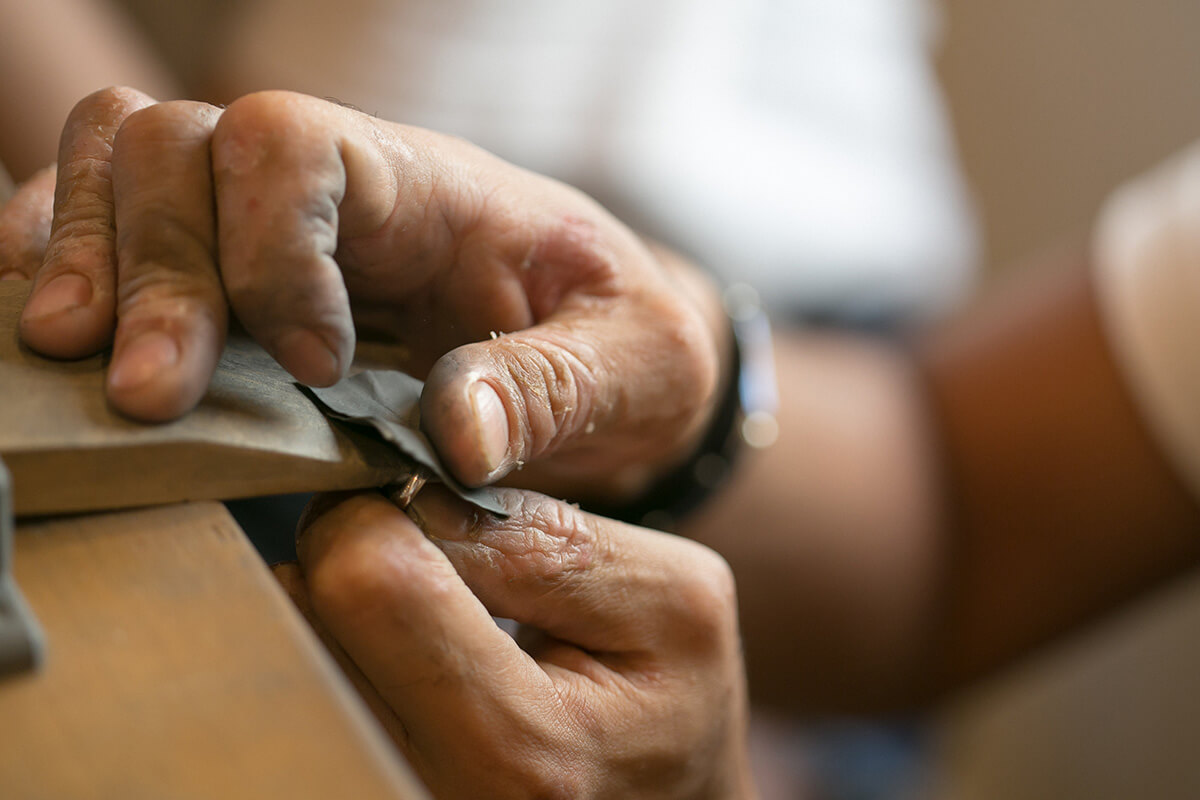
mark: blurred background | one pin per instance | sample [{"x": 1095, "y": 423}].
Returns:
[
  {"x": 1054, "y": 102},
  {"x": 938, "y": 144}
]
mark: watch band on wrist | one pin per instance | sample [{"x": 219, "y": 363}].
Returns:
[{"x": 744, "y": 418}]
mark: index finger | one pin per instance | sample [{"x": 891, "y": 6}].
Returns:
[{"x": 624, "y": 612}]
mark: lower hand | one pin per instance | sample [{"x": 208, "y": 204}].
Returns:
[{"x": 625, "y": 678}]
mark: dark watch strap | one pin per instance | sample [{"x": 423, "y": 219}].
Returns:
[{"x": 744, "y": 419}]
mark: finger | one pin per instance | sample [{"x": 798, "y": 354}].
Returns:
[
  {"x": 281, "y": 175},
  {"x": 291, "y": 580},
  {"x": 71, "y": 311},
  {"x": 171, "y": 309},
  {"x": 25, "y": 226},
  {"x": 317, "y": 201},
  {"x": 623, "y": 379},
  {"x": 601, "y": 586},
  {"x": 395, "y": 604}
]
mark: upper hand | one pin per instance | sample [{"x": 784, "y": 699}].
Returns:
[{"x": 314, "y": 223}]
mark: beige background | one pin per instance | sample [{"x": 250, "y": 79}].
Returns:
[{"x": 1055, "y": 102}]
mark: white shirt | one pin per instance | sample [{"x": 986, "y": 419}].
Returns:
[{"x": 796, "y": 144}]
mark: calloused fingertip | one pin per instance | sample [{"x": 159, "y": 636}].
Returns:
[
  {"x": 150, "y": 379},
  {"x": 161, "y": 371},
  {"x": 142, "y": 360},
  {"x": 152, "y": 403},
  {"x": 464, "y": 415}
]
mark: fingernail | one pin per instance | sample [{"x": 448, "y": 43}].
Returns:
[
  {"x": 492, "y": 425},
  {"x": 65, "y": 293},
  {"x": 12, "y": 275},
  {"x": 308, "y": 357},
  {"x": 141, "y": 360},
  {"x": 441, "y": 515}
]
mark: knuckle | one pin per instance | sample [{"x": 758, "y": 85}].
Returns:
[
  {"x": 554, "y": 388},
  {"x": 706, "y": 600},
  {"x": 163, "y": 122},
  {"x": 545, "y": 541},
  {"x": 163, "y": 292},
  {"x": 364, "y": 569},
  {"x": 84, "y": 241},
  {"x": 347, "y": 580},
  {"x": 85, "y": 182},
  {"x": 108, "y": 105},
  {"x": 689, "y": 342},
  {"x": 93, "y": 123},
  {"x": 272, "y": 105},
  {"x": 577, "y": 247},
  {"x": 177, "y": 246},
  {"x": 83, "y": 206},
  {"x": 252, "y": 126}
]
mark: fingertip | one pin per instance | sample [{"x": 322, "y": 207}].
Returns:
[
  {"x": 311, "y": 359},
  {"x": 466, "y": 417},
  {"x": 154, "y": 377},
  {"x": 65, "y": 318}
]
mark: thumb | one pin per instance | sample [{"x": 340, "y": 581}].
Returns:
[{"x": 605, "y": 394}]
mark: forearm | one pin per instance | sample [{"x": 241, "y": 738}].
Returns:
[
  {"x": 1063, "y": 505},
  {"x": 55, "y": 52},
  {"x": 832, "y": 532},
  {"x": 929, "y": 516}
]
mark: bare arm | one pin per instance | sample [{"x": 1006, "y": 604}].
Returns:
[
  {"x": 914, "y": 529},
  {"x": 1063, "y": 504}
]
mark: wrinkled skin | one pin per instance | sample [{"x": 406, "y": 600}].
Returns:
[
  {"x": 625, "y": 679},
  {"x": 549, "y": 334},
  {"x": 317, "y": 225}
]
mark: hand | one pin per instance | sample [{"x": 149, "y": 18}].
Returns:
[
  {"x": 547, "y": 332},
  {"x": 625, "y": 679},
  {"x": 25, "y": 227}
]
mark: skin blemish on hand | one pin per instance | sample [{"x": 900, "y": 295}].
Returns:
[{"x": 240, "y": 153}]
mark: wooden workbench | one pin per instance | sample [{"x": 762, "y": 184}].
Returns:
[{"x": 175, "y": 666}]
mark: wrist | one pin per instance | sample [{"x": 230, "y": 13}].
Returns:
[{"x": 740, "y": 415}]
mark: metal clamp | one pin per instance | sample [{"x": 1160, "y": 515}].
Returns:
[{"x": 21, "y": 641}]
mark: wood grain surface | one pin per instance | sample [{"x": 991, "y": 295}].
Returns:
[
  {"x": 254, "y": 433},
  {"x": 177, "y": 669}
]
